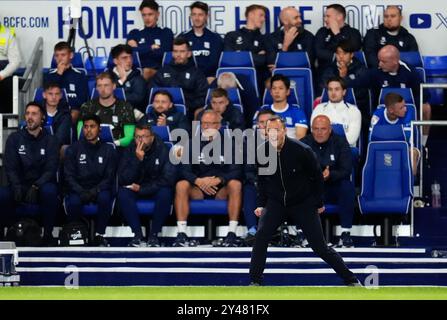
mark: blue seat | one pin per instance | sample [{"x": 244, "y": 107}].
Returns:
[
  {"x": 387, "y": 179},
  {"x": 349, "y": 97},
  {"x": 236, "y": 59},
  {"x": 75, "y": 62},
  {"x": 436, "y": 72},
  {"x": 406, "y": 93},
  {"x": 118, "y": 92},
  {"x": 179, "y": 107},
  {"x": 162, "y": 132},
  {"x": 99, "y": 65},
  {"x": 135, "y": 58},
  {"x": 176, "y": 93},
  {"x": 386, "y": 133},
  {"x": 291, "y": 99},
  {"x": 208, "y": 207},
  {"x": 360, "y": 55},
  {"x": 105, "y": 133},
  {"x": 297, "y": 59},
  {"x": 421, "y": 73},
  {"x": 146, "y": 207},
  {"x": 301, "y": 80},
  {"x": 412, "y": 58},
  {"x": 167, "y": 58},
  {"x": 233, "y": 95},
  {"x": 38, "y": 95},
  {"x": 248, "y": 72}
]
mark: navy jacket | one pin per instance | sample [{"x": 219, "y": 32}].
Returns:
[
  {"x": 196, "y": 168},
  {"x": 296, "y": 178},
  {"x": 135, "y": 88},
  {"x": 247, "y": 40},
  {"x": 334, "y": 153},
  {"x": 154, "y": 172},
  {"x": 206, "y": 50},
  {"x": 232, "y": 117},
  {"x": 174, "y": 119},
  {"x": 31, "y": 160},
  {"x": 145, "y": 38},
  {"x": 303, "y": 42},
  {"x": 189, "y": 78},
  {"x": 61, "y": 125},
  {"x": 74, "y": 82},
  {"x": 326, "y": 43},
  {"x": 379, "y": 37},
  {"x": 87, "y": 166}
]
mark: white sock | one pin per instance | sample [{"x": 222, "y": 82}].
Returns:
[
  {"x": 181, "y": 226},
  {"x": 232, "y": 226},
  {"x": 98, "y": 234},
  {"x": 346, "y": 230}
]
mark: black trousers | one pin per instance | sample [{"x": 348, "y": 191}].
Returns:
[
  {"x": 6, "y": 95},
  {"x": 305, "y": 216}
]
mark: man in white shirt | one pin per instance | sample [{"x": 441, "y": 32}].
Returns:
[{"x": 339, "y": 111}]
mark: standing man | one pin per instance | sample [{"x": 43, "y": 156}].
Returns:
[
  {"x": 151, "y": 42},
  {"x": 9, "y": 63},
  {"x": 145, "y": 172},
  {"x": 74, "y": 81},
  {"x": 294, "y": 190},
  {"x": 290, "y": 37},
  {"x": 89, "y": 169},
  {"x": 389, "y": 32},
  {"x": 206, "y": 45},
  {"x": 31, "y": 162},
  {"x": 335, "y": 158},
  {"x": 334, "y": 31}
]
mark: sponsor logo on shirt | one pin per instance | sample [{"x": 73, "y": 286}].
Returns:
[
  {"x": 82, "y": 159},
  {"x": 22, "y": 149}
]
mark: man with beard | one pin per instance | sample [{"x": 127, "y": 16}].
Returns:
[
  {"x": 31, "y": 162},
  {"x": 89, "y": 169},
  {"x": 290, "y": 37},
  {"x": 389, "y": 32}
]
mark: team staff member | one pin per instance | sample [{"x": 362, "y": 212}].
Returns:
[
  {"x": 112, "y": 111},
  {"x": 151, "y": 42},
  {"x": 293, "y": 191},
  {"x": 145, "y": 172},
  {"x": 206, "y": 45},
  {"x": 9, "y": 63},
  {"x": 89, "y": 170},
  {"x": 74, "y": 81},
  {"x": 31, "y": 162}
]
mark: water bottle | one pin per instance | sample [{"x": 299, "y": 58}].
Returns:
[{"x": 435, "y": 195}]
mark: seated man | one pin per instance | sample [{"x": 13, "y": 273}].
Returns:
[
  {"x": 232, "y": 117},
  {"x": 145, "y": 172},
  {"x": 391, "y": 32},
  {"x": 335, "y": 158},
  {"x": 57, "y": 114},
  {"x": 116, "y": 113},
  {"x": 339, "y": 111},
  {"x": 74, "y": 81},
  {"x": 181, "y": 72},
  {"x": 396, "y": 113},
  {"x": 290, "y": 37},
  {"x": 164, "y": 113},
  {"x": 250, "y": 176},
  {"x": 296, "y": 121},
  {"x": 206, "y": 45},
  {"x": 334, "y": 31},
  {"x": 151, "y": 42},
  {"x": 9, "y": 63},
  {"x": 127, "y": 78},
  {"x": 31, "y": 160},
  {"x": 89, "y": 170},
  {"x": 200, "y": 179}
]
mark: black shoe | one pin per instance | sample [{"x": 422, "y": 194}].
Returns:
[
  {"x": 345, "y": 240},
  {"x": 100, "y": 241},
  {"x": 136, "y": 242},
  {"x": 153, "y": 242},
  {"x": 300, "y": 241},
  {"x": 229, "y": 241},
  {"x": 255, "y": 284},
  {"x": 250, "y": 239},
  {"x": 181, "y": 240}
]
